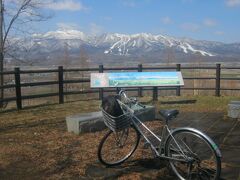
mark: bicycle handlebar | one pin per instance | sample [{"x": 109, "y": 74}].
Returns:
[
  {"x": 126, "y": 107},
  {"x": 131, "y": 100}
]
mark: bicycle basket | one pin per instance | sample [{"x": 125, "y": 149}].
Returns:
[{"x": 116, "y": 123}]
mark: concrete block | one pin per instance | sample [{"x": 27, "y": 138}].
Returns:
[
  {"x": 145, "y": 114},
  {"x": 234, "y": 109},
  {"x": 85, "y": 122},
  {"x": 92, "y": 122}
]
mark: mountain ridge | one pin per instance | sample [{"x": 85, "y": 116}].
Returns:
[{"x": 116, "y": 46}]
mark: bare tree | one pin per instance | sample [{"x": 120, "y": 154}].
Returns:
[
  {"x": 66, "y": 63},
  {"x": 66, "y": 59},
  {"x": 83, "y": 61},
  {"x": 14, "y": 16},
  {"x": 197, "y": 74},
  {"x": 170, "y": 55}
]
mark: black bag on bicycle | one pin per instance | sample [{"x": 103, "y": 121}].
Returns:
[
  {"x": 111, "y": 106},
  {"x": 113, "y": 115}
]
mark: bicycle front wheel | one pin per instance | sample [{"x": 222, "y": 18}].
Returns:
[
  {"x": 193, "y": 155},
  {"x": 116, "y": 147}
]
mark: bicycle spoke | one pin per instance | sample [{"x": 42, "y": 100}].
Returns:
[
  {"x": 116, "y": 147},
  {"x": 121, "y": 139},
  {"x": 189, "y": 171},
  {"x": 202, "y": 162}
]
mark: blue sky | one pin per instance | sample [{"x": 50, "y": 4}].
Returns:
[{"x": 217, "y": 20}]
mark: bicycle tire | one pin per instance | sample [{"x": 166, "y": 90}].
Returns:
[
  {"x": 111, "y": 150},
  {"x": 195, "y": 146}
]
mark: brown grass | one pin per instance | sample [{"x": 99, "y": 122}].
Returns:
[{"x": 34, "y": 142}]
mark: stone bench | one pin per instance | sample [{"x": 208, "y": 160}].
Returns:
[{"x": 92, "y": 122}]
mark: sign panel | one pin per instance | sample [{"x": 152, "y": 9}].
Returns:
[{"x": 136, "y": 79}]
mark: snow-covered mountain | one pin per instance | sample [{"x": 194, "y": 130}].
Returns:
[
  {"x": 125, "y": 46},
  {"x": 121, "y": 44}
]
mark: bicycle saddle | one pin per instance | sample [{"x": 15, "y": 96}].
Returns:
[{"x": 169, "y": 114}]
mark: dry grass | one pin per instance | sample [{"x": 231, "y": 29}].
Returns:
[
  {"x": 203, "y": 103},
  {"x": 34, "y": 142}
]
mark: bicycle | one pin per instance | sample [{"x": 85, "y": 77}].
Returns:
[{"x": 190, "y": 152}]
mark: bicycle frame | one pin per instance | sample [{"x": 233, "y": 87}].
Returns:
[
  {"x": 135, "y": 121},
  {"x": 166, "y": 132},
  {"x": 159, "y": 151},
  {"x": 190, "y": 152}
]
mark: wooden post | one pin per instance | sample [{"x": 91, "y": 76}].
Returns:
[
  {"x": 155, "y": 93},
  {"x": 178, "y": 90},
  {"x": 140, "y": 89},
  {"x": 18, "y": 88},
  {"x": 101, "y": 68},
  {"x": 60, "y": 85},
  {"x": 218, "y": 80}
]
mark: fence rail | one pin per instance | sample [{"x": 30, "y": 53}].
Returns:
[{"x": 60, "y": 82}]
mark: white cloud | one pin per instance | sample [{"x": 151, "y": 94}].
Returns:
[
  {"x": 96, "y": 29},
  {"x": 190, "y": 27},
  {"x": 209, "y": 22},
  {"x": 219, "y": 33},
  {"x": 166, "y": 20},
  {"x": 68, "y": 26},
  {"x": 161, "y": 31},
  {"x": 129, "y": 3},
  {"x": 69, "y": 5},
  {"x": 92, "y": 28},
  {"x": 107, "y": 18},
  {"x": 232, "y": 3}
]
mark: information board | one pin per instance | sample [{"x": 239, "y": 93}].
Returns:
[{"x": 136, "y": 79}]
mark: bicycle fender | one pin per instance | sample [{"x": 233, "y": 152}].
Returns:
[{"x": 205, "y": 136}]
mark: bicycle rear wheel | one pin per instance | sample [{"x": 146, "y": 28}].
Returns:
[
  {"x": 116, "y": 147},
  {"x": 200, "y": 156}
]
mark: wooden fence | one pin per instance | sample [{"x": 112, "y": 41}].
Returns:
[{"x": 60, "y": 82}]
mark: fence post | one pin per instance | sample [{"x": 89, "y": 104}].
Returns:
[
  {"x": 60, "y": 85},
  {"x": 155, "y": 93},
  {"x": 218, "y": 80},
  {"x": 18, "y": 88},
  {"x": 178, "y": 90},
  {"x": 140, "y": 89},
  {"x": 101, "y": 68}
]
